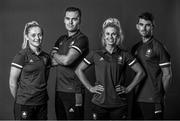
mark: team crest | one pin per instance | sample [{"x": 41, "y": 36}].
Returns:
[
  {"x": 148, "y": 52},
  {"x": 120, "y": 60},
  {"x": 101, "y": 59},
  {"x": 31, "y": 61},
  {"x": 60, "y": 43}
]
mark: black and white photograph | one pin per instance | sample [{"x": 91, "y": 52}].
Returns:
[{"x": 89, "y": 59}]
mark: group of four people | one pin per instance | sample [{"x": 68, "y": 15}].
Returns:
[{"x": 71, "y": 57}]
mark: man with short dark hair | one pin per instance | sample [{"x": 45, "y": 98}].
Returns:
[
  {"x": 67, "y": 53},
  {"x": 156, "y": 62}
]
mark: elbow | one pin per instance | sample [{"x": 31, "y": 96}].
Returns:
[
  {"x": 142, "y": 74},
  {"x": 67, "y": 62}
]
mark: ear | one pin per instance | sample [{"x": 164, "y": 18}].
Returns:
[
  {"x": 26, "y": 37},
  {"x": 137, "y": 26}
]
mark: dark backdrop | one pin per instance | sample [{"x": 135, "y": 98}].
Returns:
[{"x": 15, "y": 13}]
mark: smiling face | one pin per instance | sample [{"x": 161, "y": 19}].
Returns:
[
  {"x": 145, "y": 28},
  {"x": 110, "y": 36},
  {"x": 34, "y": 36},
  {"x": 72, "y": 20}
]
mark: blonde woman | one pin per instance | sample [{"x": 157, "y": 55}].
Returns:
[
  {"x": 28, "y": 76},
  {"x": 109, "y": 99}
]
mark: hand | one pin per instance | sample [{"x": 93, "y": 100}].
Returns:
[
  {"x": 53, "y": 62},
  {"x": 53, "y": 52},
  {"x": 121, "y": 89},
  {"x": 97, "y": 89}
]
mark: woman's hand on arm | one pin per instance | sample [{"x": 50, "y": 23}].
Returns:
[
  {"x": 80, "y": 73},
  {"x": 138, "y": 77}
]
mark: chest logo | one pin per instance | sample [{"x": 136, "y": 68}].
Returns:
[
  {"x": 101, "y": 59},
  {"x": 31, "y": 61},
  {"x": 60, "y": 43},
  {"x": 148, "y": 52},
  {"x": 120, "y": 60}
]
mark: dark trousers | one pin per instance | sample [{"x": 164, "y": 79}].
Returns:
[
  {"x": 30, "y": 112},
  {"x": 148, "y": 111},
  {"x": 65, "y": 107},
  {"x": 101, "y": 113}
]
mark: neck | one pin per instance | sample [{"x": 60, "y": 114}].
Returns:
[
  {"x": 146, "y": 39},
  {"x": 36, "y": 50},
  {"x": 109, "y": 48},
  {"x": 71, "y": 33}
]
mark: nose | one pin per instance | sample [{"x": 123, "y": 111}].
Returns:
[
  {"x": 37, "y": 37},
  {"x": 70, "y": 21}
]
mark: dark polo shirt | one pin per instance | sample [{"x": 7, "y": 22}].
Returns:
[
  {"x": 109, "y": 71},
  {"x": 66, "y": 79},
  {"x": 153, "y": 56},
  {"x": 33, "y": 79}
]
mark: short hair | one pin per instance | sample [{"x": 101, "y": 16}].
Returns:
[
  {"x": 74, "y": 9},
  {"x": 147, "y": 16}
]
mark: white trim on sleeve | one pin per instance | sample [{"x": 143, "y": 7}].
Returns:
[
  {"x": 87, "y": 61},
  {"x": 56, "y": 48},
  {"x": 132, "y": 62},
  {"x": 75, "y": 47},
  {"x": 17, "y": 65},
  {"x": 164, "y": 64}
]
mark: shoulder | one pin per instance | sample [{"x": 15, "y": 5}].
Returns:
[
  {"x": 135, "y": 46},
  {"x": 45, "y": 54},
  {"x": 82, "y": 36},
  {"x": 23, "y": 52}
]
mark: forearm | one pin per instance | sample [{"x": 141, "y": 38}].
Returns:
[
  {"x": 166, "y": 79},
  {"x": 13, "y": 89},
  {"x": 83, "y": 79},
  {"x": 138, "y": 77},
  {"x": 60, "y": 59}
]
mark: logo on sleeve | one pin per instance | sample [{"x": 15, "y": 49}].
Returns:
[{"x": 148, "y": 52}]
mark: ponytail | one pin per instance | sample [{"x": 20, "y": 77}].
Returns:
[{"x": 25, "y": 32}]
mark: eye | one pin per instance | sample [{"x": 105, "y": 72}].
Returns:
[
  {"x": 140, "y": 24},
  {"x": 33, "y": 35}
]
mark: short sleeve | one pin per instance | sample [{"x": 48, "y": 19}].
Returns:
[
  {"x": 48, "y": 64},
  {"x": 57, "y": 43},
  {"x": 18, "y": 61},
  {"x": 89, "y": 59},
  {"x": 81, "y": 44},
  {"x": 130, "y": 60},
  {"x": 164, "y": 57}
]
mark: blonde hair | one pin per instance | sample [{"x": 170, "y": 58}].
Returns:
[
  {"x": 26, "y": 30},
  {"x": 113, "y": 22}
]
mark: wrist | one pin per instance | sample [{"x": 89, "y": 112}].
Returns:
[{"x": 53, "y": 54}]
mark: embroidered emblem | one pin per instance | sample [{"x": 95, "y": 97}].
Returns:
[
  {"x": 120, "y": 60},
  {"x": 60, "y": 43},
  {"x": 148, "y": 52},
  {"x": 71, "y": 110},
  {"x": 24, "y": 114},
  {"x": 31, "y": 61},
  {"x": 101, "y": 59}
]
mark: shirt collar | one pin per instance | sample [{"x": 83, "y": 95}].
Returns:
[
  {"x": 75, "y": 35},
  {"x": 32, "y": 52},
  {"x": 116, "y": 49}
]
